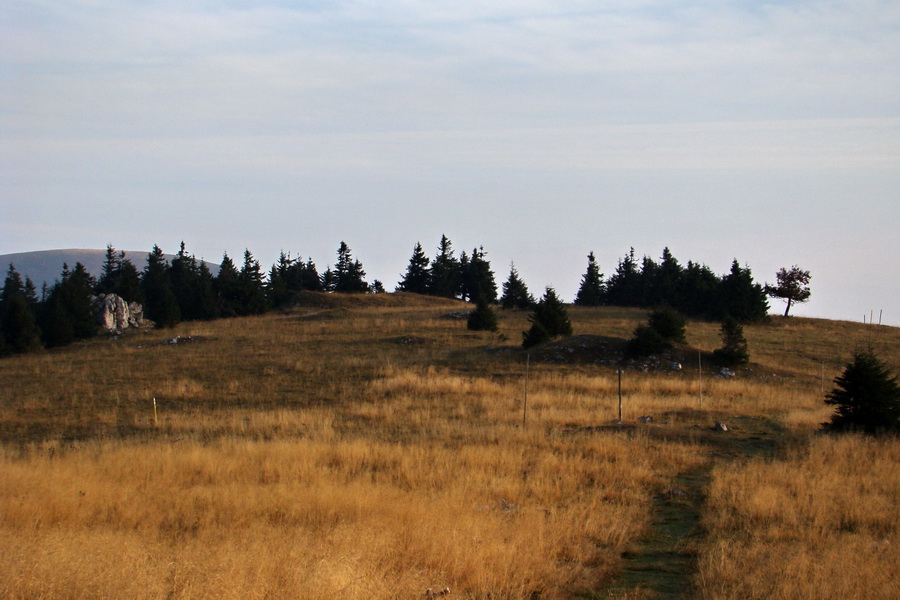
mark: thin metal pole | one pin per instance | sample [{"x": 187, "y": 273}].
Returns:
[
  {"x": 700, "y": 376},
  {"x": 620, "y": 394},
  {"x": 525, "y": 404},
  {"x": 823, "y": 376}
]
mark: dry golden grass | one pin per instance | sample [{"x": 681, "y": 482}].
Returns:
[
  {"x": 366, "y": 448},
  {"x": 507, "y": 514},
  {"x": 822, "y": 523}
]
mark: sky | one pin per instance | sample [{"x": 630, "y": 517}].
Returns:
[{"x": 767, "y": 132}]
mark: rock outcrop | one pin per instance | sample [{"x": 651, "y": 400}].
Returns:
[{"x": 115, "y": 314}]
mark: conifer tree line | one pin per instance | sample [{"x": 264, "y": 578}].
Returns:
[
  {"x": 692, "y": 289},
  {"x": 468, "y": 277},
  {"x": 184, "y": 289}
]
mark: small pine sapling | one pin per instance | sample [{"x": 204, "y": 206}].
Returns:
[
  {"x": 734, "y": 349},
  {"x": 483, "y": 318},
  {"x": 866, "y": 397}
]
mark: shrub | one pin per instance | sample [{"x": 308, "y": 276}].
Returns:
[
  {"x": 734, "y": 345},
  {"x": 550, "y": 319},
  {"x": 538, "y": 334},
  {"x": 483, "y": 318},
  {"x": 866, "y": 396},
  {"x": 668, "y": 324},
  {"x": 646, "y": 341},
  {"x": 664, "y": 326}
]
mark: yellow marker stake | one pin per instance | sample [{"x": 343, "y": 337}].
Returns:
[{"x": 154, "y": 413}]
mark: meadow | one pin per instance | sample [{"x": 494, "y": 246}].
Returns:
[{"x": 372, "y": 447}]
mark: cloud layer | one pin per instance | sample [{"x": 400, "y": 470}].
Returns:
[{"x": 416, "y": 115}]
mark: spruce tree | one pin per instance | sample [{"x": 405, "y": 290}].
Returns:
[
  {"x": 668, "y": 284},
  {"x": 184, "y": 275},
  {"x": 417, "y": 279},
  {"x": 734, "y": 349},
  {"x": 161, "y": 306},
  {"x": 349, "y": 275},
  {"x": 67, "y": 314},
  {"x": 551, "y": 316},
  {"x": 648, "y": 283},
  {"x": 357, "y": 278},
  {"x": 119, "y": 276},
  {"x": 128, "y": 283},
  {"x": 476, "y": 277},
  {"x": 31, "y": 294},
  {"x": 55, "y": 322},
  {"x": 77, "y": 288},
  {"x": 329, "y": 280},
  {"x": 536, "y": 334},
  {"x": 741, "y": 298},
  {"x": 866, "y": 396},
  {"x": 206, "y": 302},
  {"x": 278, "y": 287},
  {"x": 515, "y": 292},
  {"x": 591, "y": 292},
  {"x": 19, "y": 329},
  {"x": 700, "y": 291},
  {"x": 227, "y": 286},
  {"x": 106, "y": 283},
  {"x": 668, "y": 324},
  {"x": 623, "y": 286},
  {"x": 646, "y": 341},
  {"x": 663, "y": 328},
  {"x": 12, "y": 287},
  {"x": 483, "y": 318},
  {"x": 309, "y": 277},
  {"x": 252, "y": 287},
  {"x": 445, "y": 272}
]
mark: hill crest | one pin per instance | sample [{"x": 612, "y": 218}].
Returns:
[{"x": 45, "y": 266}]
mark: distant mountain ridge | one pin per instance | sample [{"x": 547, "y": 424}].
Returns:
[{"x": 45, "y": 266}]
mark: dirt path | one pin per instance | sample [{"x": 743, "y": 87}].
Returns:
[{"x": 664, "y": 564}]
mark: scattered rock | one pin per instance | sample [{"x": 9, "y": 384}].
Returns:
[
  {"x": 645, "y": 419},
  {"x": 678, "y": 492},
  {"x": 727, "y": 373},
  {"x": 177, "y": 340},
  {"x": 412, "y": 340},
  {"x": 432, "y": 594},
  {"x": 458, "y": 315},
  {"x": 720, "y": 426}
]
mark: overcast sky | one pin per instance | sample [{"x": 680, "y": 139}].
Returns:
[{"x": 763, "y": 131}]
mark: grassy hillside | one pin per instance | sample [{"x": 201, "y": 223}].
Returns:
[{"x": 373, "y": 447}]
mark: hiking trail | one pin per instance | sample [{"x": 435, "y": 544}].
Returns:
[{"x": 665, "y": 561}]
